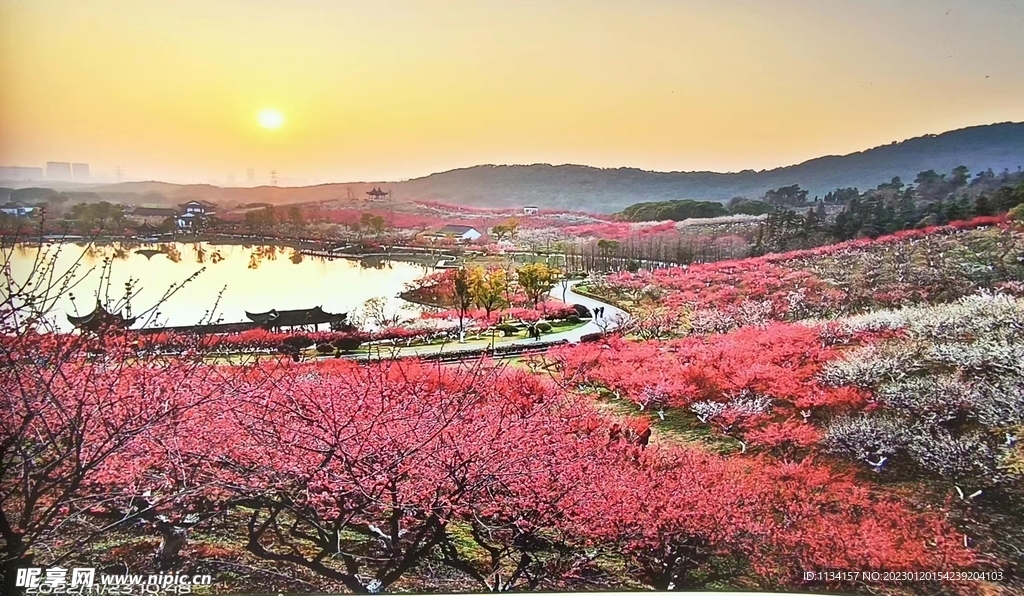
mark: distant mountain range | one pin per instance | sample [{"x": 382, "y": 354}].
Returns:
[{"x": 995, "y": 146}]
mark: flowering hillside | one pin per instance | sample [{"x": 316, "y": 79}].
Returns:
[
  {"x": 925, "y": 395},
  {"x": 898, "y": 361},
  {"x": 925, "y": 266}
]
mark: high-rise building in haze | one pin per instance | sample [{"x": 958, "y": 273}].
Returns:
[
  {"x": 81, "y": 171},
  {"x": 18, "y": 174},
  {"x": 58, "y": 170},
  {"x": 250, "y": 176}
]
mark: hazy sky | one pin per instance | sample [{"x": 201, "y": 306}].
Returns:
[{"x": 375, "y": 90}]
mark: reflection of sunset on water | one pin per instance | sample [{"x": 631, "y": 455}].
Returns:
[{"x": 253, "y": 278}]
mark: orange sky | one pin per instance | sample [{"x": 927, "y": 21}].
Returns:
[{"x": 393, "y": 90}]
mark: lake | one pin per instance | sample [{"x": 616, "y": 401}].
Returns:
[{"x": 232, "y": 278}]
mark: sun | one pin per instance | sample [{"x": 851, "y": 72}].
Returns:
[{"x": 271, "y": 118}]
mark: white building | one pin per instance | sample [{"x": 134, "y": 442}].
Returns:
[
  {"x": 193, "y": 213},
  {"x": 457, "y": 233},
  {"x": 16, "y": 209},
  {"x": 530, "y": 210},
  {"x": 198, "y": 208}
]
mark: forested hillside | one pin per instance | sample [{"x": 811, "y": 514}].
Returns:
[{"x": 996, "y": 146}]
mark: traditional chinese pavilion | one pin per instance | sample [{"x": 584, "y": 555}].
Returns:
[
  {"x": 378, "y": 194},
  {"x": 100, "y": 318},
  {"x": 275, "y": 319}
]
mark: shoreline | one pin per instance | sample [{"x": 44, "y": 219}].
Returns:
[{"x": 312, "y": 248}]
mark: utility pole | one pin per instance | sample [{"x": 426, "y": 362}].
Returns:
[
  {"x": 273, "y": 177},
  {"x": 117, "y": 170}
]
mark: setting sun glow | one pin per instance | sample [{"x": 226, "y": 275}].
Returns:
[
  {"x": 721, "y": 85},
  {"x": 271, "y": 119}
]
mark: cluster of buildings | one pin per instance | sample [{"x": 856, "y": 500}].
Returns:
[
  {"x": 62, "y": 171},
  {"x": 187, "y": 216},
  {"x": 68, "y": 172}
]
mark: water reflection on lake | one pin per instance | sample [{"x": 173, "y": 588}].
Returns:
[{"x": 253, "y": 278}]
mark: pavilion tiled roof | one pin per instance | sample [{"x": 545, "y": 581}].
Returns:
[{"x": 100, "y": 317}]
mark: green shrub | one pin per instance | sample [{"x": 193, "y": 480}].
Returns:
[
  {"x": 543, "y": 327},
  {"x": 573, "y": 319},
  {"x": 508, "y": 330},
  {"x": 298, "y": 341},
  {"x": 582, "y": 311},
  {"x": 347, "y": 344}
]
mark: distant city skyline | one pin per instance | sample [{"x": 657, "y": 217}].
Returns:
[
  {"x": 55, "y": 171},
  {"x": 191, "y": 91}
]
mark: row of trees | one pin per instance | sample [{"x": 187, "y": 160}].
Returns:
[
  {"x": 688, "y": 209},
  {"x": 487, "y": 288},
  {"x": 875, "y": 214},
  {"x": 270, "y": 218},
  {"x": 258, "y": 220},
  {"x": 86, "y": 217},
  {"x": 507, "y": 229},
  {"x": 928, "y": 186}
]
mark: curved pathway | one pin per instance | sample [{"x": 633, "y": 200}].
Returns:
[{"x": 612, "y": 319}]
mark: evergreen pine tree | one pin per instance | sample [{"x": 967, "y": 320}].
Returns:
[{"x": 983, "y": 206}]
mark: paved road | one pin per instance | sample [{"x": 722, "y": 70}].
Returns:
[{"x": 613, "y": 317}]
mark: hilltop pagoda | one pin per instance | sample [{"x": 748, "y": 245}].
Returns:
[
  {"x": 276, "y": 319},
  {"x": 377, "y": 194},
  {"x": 100, "y": 318}
]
